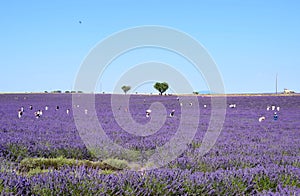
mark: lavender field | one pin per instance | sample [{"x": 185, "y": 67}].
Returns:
[{"x": 45, "y": 155}]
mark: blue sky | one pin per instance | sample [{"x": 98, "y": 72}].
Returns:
[{"x": 42, "y": 43}]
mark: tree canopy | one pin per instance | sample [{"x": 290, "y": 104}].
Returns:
[
  {"x": 126, "y": 88},
  {"x": 161, "y": 87}
]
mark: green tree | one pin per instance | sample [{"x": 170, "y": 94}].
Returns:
[
  {"x": 125, "y": 88},
  {"x": 161, "y": 87}
]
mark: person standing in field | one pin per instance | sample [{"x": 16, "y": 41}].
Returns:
[
  {"x": 20, "y": 113},
  {"x": 275, "y": 116},
  {"x": 172, "y": 113}
]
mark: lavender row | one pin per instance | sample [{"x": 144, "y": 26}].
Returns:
[{"x": 76, "y": 181}]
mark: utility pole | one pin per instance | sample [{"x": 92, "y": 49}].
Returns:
[{"x": 276, "y": 83}]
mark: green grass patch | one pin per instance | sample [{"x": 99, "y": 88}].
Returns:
[
  {"x": 119, "y": 164},
  {"x": 38, "y": 165}
]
